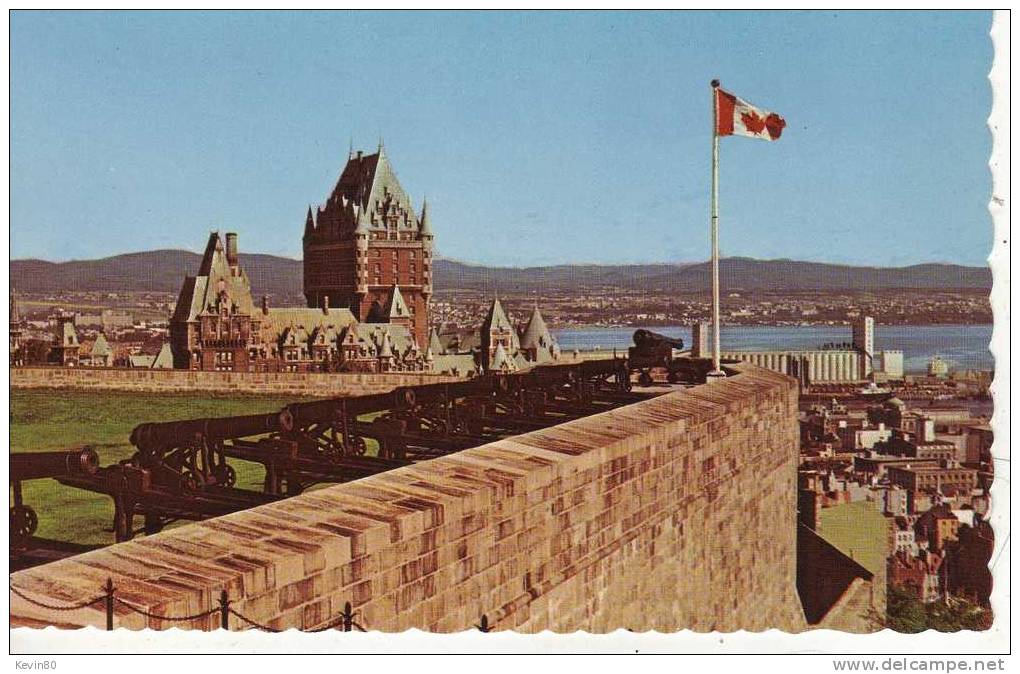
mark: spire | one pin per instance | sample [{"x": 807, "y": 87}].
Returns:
[
  {"x": 15, "y": 314},
  {"x": 435, "y": 345},
  {"x": 309, "y": 223},
  {"x": 426, "y": 224},
  {"x": 386, "y": 350},
  {"x": 350, "y": 148},
  {"x": 537, "y": 339},
  {"x": 381, "y": 147},
  {"x": 496, "y": 319}
]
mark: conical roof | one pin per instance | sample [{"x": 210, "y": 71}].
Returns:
[
  {"x": 396, "y": 307},
  {"x": 501, "y": 361},
  {"x": 496, "y": 318},
  {"x": 435, "y": 344},
  {"x": 426, "y": 222},
  {"x": 101, "y": 347},
  {"x": 536, "y": 334},
  {"x": 164, "y": 359},
  {"x": 309, "y": 223}
]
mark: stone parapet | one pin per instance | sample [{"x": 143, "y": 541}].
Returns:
[
  {"x": 171, "y": 381},
  {"x": 671, "y": 513}
]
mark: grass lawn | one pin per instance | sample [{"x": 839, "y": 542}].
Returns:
[
  {"x": 859, "y": 530},
  {"x": 46, "y": 420}
]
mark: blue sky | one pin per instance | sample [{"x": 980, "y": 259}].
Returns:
[{"x": 538, "y": 138}]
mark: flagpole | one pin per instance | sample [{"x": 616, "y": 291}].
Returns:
[{"x": 716, "y": 364}]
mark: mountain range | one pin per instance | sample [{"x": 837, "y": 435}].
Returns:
[{"x": 281, "y": 277}]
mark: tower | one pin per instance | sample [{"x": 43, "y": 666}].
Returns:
[
  {"x": 497, "y": 335},
  {"x": 65, "y": 344},
  {"x": 17, "y": 329},
  {"x": 365, "y": 240},
  {"x": 863, "y": 335}
]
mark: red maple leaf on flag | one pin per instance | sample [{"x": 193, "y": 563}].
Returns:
[
  {"x": 775, "y": 125},
  {"x": 752, "y": 122}
]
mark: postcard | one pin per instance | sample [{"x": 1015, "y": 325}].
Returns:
[{"x": 506, "y": 323}]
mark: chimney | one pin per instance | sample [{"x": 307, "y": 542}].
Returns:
[
  {"x": 265, "y": 304},
  {"x": 232, "y": 251},
  {"x": 325, "y": 304}
]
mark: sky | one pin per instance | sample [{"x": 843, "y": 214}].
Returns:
[{"x": 538, "y": 138}]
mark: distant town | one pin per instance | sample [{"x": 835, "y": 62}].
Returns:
[{"x": 139, "y": 321}]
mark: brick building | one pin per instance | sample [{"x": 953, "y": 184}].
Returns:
[
  {"x": 497, "y": 345},
  {"x": 933, "y": 478},
  {"x": 217, "y": 326},
  {"x": 64, "y": 349},
  {"x": 366, "y": 239}
]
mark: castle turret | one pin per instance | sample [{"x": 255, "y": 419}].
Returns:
[
  {"x": 497, "y": 331},
  {"x": 368, "y": 238},
  {"x": 537, "y": 342}
]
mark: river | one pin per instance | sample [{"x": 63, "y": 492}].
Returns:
[{"x": 962, "y": 346}]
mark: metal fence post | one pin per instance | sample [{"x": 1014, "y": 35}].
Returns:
[
  {"x": 224, "y": 610},
  {"x": 348, "y": 617},
  {"x": 109, "y": 604}
]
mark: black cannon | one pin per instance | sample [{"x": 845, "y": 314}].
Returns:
[
  {"x": 180, "y": 470},
  {"x": 40, "y": 465},
  {"x": 652, "y": 350}
]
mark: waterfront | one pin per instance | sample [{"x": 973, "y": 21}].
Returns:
[{"x": 962, "y": 346}]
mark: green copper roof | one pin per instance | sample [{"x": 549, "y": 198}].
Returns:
[
  {"x": 101, "y": 347},
  {"x": 496, "y": 318},
  {"x": 396, "y": 307},
  {"x": 201, "y": 293},
  {"x": 501, "y": 361}
]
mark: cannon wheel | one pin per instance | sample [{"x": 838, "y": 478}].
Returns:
[
  {"x": 645, "y": 379},
  {"x": 24, "y": 521}
]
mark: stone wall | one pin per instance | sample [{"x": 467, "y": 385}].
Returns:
[
  {"x": 159, "y": 381},
  {"x": 676, "y": 512}
]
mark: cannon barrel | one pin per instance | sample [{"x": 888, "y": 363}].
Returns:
[
  {"x": 154, "y": 437},
  {"x": 649, "y": 339},
  {"x": 35, "y": 465},
  {"x": 479, "y": 386},
  {"x": 302, "y": 415}
]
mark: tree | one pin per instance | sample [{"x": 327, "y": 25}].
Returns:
[{"x": 906, "y": 613}]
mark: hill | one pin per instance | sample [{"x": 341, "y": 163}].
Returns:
[{"x": 163, "y": 270}]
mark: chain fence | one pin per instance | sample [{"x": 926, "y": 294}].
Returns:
[{"x": 345, "y": 621}]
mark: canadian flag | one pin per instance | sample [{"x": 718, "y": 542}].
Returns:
[{"x": 735, "y": 116}]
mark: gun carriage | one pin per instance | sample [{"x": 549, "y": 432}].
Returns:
[
  {"x": 36, "y": 466},
  {"x": 653, "y": 350},
  {"x": 182, "y": 469}
]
